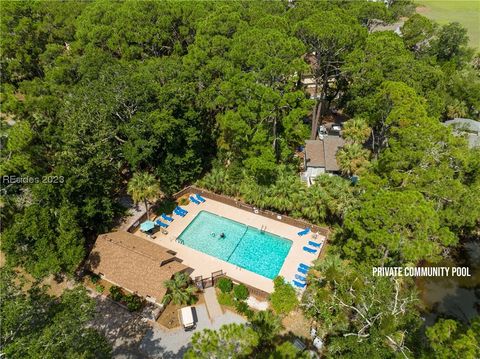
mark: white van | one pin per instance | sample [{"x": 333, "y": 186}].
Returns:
[{"x": 186, "y": 317}]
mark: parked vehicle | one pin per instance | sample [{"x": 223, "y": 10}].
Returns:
[{"x": 187, "y": 318}]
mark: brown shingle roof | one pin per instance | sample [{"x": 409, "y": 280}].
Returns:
[
  {"x": 322, "y": 153},
  {"x": 331, "y": 144},
  {"x": 133, "y": 263},
  {"x": 314, "y": 154}
]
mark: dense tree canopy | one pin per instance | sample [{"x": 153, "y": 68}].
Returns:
[
  {"x": 393, "y": 227},
  {"x": 450, "y": 339},
  {"x": 35, "y": 324},
  {"x": 94, "y": 94},
  {"x": 360, "y": 314},
  {"x": 232, "y": 340}
]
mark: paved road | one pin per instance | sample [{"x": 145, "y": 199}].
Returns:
[{"x": 159, "y": 343}]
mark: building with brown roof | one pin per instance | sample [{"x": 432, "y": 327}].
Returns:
[
  {"x": 320, "y": 156},
  {"x": 134, "y": 263}
]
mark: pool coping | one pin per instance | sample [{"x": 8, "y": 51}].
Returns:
[
  {"x": 238, "y": 243},
  {"x": 204, "y": 265}
]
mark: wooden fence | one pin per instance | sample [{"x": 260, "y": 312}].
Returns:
[
  {"x": 265, "y": 213},
  {"x": 136, "y": 225},
  {"x": 257, "y": 293},
  {"x": 211, "y": 281}
]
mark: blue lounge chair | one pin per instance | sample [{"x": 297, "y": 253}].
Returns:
[
  {"x": 165, "y": 217},
  {"x": 179, "y": 212},
  {"x": 194, "y": 200},
  {"x": 303, "y": 265},
  {"x": 182, "y": 209},
  {"x": 161, "y": 224},
  {"x": 301, "y": 278},
  {"x": 302, "y": 270},
  {"x": 315, "y": 244},
  {"x": 304, "y": 232},
  {"x": 309, "y": 250},
  {"x": 298, "y": 284},
  {"x": 200, "y": 198}
]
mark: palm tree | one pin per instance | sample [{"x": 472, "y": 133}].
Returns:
[
  {"x": 253, "y": 193},
  {"x": 179, "y": 291},
  {"x": 352, "y": 158},
  {"x": 337, "y": 196},
  {"x": 315, "y": 203},
  {"x": 267, "y": 325},
  {"x": 215, "y": 180},
  {"x": 143, "y": 186},
  {"x": 356, "y": 130},
  {"x": 281, "y": 195}
]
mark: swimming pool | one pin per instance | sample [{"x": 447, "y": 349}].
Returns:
[{"x": 247, "y": 247}]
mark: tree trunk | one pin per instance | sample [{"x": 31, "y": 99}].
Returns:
[
  {"x": 320, "y": 108},
  {"x": 313, "y": 133},
  {"x": 146, "y": 208},
  {"x": 275, "y": 138},
  {"x": 373, "y": 143},
  {"x": 318, "y": 115}
]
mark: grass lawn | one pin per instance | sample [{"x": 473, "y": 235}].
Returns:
[{"x": 466, "y": 12}]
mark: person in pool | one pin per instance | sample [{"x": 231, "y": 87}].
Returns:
[{"x": 222, "y": 235}]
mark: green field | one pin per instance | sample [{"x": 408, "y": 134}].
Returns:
[{"x": 466, "y": 12}]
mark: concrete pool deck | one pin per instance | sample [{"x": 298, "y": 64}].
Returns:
[{"x": 204, "y": 265}]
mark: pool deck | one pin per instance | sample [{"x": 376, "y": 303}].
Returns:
[{"x": 204, "y": 265}]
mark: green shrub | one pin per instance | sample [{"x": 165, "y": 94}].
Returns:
[
  {"x": 226, "y": 299},
  {"x": 94, "y": 278},
  {"x": 225, "y": 285},
  {"x": 99, "y": 288},
  {"x": 134, "y": 302},
  {"x": 243, "y": 308},
  {"x": 116, "y": 293},
  {"x": 284, "y": 298},
  {"x": 240, "y": 292},
  {"x": 183, "y": 201}
]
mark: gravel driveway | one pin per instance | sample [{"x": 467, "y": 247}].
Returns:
[
  {"x": 134, "y": 338},
  {"x": 160, "y": 343},
  {"x": 122, "y": 329}
]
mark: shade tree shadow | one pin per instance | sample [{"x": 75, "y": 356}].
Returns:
[{"x": 154, "y": 348}]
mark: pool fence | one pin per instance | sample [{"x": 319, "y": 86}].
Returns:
[
  {"x": 324, "y": 231},
  {"x": 296, "y": 222},
  {"x": 203, "y": 283}
]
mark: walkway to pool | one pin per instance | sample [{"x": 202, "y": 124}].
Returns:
[
  {"x": 204, "y": 265},
  {"x": 211, "y": 302}
]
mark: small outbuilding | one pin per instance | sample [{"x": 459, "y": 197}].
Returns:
[{"x": 320, "y": 157}]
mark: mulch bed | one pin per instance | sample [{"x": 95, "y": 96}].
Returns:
[{"x": 170, "y": 317}]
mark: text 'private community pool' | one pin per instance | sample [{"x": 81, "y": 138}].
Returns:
[{"x": 247, "y": 247}]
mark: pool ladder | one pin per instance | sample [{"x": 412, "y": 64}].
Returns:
[{"x": 263, "y": 229}]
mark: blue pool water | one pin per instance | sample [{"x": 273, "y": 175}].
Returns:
[{"x": 247, "y": 247}]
